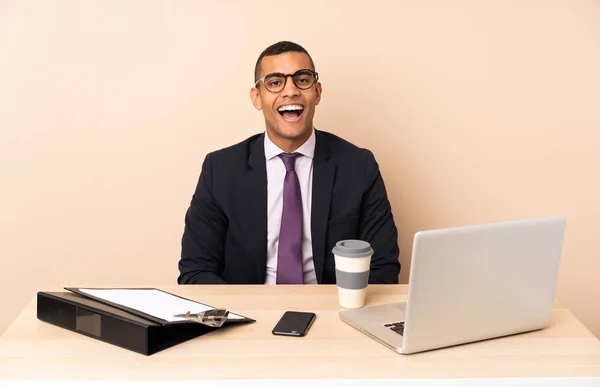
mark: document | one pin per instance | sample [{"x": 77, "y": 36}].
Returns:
[{"x": 153, "y": 302}]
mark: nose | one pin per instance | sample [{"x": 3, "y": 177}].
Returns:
[{"x": 290, "y": 88}]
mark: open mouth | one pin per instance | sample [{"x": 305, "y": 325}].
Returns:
[{"x": 291, "y": 113}]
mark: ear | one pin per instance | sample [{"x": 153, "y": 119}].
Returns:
[
  {"x": 318, "y": 90},
  {"x": 255, "y": 98}
]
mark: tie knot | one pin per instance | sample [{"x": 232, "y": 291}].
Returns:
[{"x": 289, "y": 160}]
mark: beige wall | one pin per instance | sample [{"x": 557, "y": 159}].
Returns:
[{"x": 478, "y": 111}]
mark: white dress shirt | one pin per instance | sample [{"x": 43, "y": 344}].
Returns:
[{"x": 275, "y": 177}]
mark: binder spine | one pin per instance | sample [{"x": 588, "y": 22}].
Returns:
[{"x": 93, "y": 323}]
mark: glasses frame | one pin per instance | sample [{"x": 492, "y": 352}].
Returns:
[{"x": 285, "y": 77}]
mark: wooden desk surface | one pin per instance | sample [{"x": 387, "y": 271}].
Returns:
[{"x": 31, "y": 349}]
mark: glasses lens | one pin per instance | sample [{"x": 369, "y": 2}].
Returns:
[
  {"x": 304, "y": 79},
  {"x": 274, "y": 82}
]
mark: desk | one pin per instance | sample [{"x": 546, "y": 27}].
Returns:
[{"x": 32, "y": 350}]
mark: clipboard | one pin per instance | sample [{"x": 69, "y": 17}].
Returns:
[
  {"x": 125, "y": 299},
  {"x": 126, "y": 326}
]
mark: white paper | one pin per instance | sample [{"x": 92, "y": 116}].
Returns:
[{"x": 153, "y": 302}]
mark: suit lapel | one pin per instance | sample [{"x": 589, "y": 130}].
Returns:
[
  {"x": 255, "y": 183},
  {"x": 323, "y": 175}
]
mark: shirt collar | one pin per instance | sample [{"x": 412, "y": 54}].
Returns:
[{"x": 307, "y": 149}]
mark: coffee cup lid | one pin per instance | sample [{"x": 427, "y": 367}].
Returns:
[{"x": 352, "y": 248}]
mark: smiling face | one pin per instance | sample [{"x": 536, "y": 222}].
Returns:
[{"x": 288, "y": 113}]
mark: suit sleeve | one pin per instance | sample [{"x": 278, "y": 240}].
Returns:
[
  {"x": 204, "y": 234},
  {"x": 378, "y": 228}
]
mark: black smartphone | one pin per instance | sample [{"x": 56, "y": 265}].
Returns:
[{"x": 294, "y": 323}]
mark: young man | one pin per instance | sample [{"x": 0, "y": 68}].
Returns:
[{"x": 270, "y": 209}]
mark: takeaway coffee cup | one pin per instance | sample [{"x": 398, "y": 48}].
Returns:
[{"x": 352, "y": 262}]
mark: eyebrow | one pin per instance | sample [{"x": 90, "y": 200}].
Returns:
[{"x": 281, "y": 72}]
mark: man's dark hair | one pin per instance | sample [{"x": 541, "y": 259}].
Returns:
[{"x": 280, "y": 48}]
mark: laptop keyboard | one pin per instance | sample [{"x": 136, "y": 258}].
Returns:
[{"x": 397, "y": 327}]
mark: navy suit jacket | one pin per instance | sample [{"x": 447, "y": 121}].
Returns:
[{"x": 225, "y": 236}]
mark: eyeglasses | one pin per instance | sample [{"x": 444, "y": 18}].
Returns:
[{"x": 275, "y": 82}]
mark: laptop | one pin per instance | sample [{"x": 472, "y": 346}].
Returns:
[{"x": 469, "y": 284}]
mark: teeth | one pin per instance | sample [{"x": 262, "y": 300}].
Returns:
[{"x": 289, "y": 108}]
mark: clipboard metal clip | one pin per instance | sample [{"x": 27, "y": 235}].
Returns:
[{"x": 211, "y": 317}]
